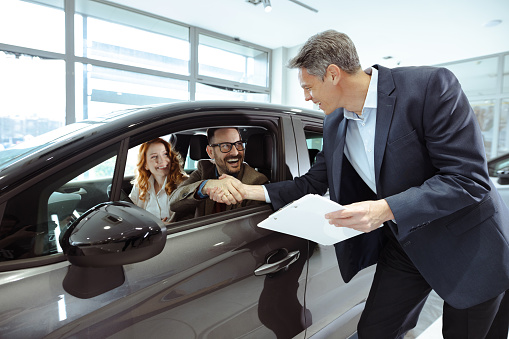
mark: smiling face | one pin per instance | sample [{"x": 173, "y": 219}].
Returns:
[
  {"x": 323, "y": 93},
  {"x": 158, "y": 160},
  {"x": 226, "y": 163}
]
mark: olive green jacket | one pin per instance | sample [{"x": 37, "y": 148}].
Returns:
[{"x": 185, "y": 202}]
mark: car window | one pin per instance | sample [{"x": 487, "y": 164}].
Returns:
[
  {"x": 33, "y": 219},
  {"x": 191, "y": 145},
  {"x": 314, "y": 141},
  {"x": 190, "y": 165},
  {"x": 132, "y": 160},
  {"x": 495, "y": 166}
]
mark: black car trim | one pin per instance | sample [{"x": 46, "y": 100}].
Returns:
[
  {"x": 118, "y": 174},
  {"x": 19, "y": 264}
]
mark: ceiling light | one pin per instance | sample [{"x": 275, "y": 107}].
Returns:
[
  {"x": 267, "y": 6},
  {"x": 304, "y": 5}
]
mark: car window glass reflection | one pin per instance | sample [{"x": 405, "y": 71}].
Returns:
[
  {"x": 314, "y": 141},
  {"x": 34, "y": 219},
  {"x": 77, "y": 196}
]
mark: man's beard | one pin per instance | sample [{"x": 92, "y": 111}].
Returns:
[{"x": 224, "y": 165}]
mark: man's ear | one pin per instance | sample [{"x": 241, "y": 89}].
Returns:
[
  {"x": 334, "y": 73},
  {"x": 209, "y": 152}
]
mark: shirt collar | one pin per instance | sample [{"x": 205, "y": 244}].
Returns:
[
  {"x": 152, "y": 180},
  {"x": 371, "y": 96}
]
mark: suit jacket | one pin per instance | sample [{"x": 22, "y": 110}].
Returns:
[
  {"x": 430, "y": 166},
  {"x": 186, "y": 205}
]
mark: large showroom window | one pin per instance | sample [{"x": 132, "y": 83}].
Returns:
[
  {"x": 243, "y": 70},
  {"x": 211, "y": 92},
  {"x": 102, "y": 40},
  {"x": 100, "y": 90},
  {"x": 32, "y": 85},
  {"x": 32, "y": 25},
  {"x": 226, "y": 60},
  {"x": 32, "y": 93},
  {"x": 63, "y": 61},
  {"x": 503, "y": 138},
  {"x": 486, "y": 84},
  {"x": 506, "y": 74},
  {"x": 477, "y": 77},
  {"x": 153, "y": 43}
]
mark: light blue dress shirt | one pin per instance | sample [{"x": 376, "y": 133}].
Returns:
[{"x": 360, "y": 134}]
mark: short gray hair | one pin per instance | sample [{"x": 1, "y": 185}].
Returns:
[{"x": 324, "y": 49}]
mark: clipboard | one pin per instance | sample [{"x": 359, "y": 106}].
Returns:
[{"x": 305, "y": 218}]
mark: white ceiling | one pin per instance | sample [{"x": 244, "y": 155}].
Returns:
[{"x": 412, "y": 32}]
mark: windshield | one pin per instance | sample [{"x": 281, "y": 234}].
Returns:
[
  {"x": 19, "y": 151},
  {"x": 40, "y": 142}
]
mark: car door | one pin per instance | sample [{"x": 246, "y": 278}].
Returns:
[
  {"x": 202, "y": 284},
  {"x": 334, "y": 306}
]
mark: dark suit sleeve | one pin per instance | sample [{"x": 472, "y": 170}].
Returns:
[
  {"x": 313, "y": 182},
  {"x": 450, "y": 154},
  {"x": 253, "y": 177}
]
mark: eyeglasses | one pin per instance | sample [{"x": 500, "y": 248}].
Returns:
[{"x": 226, "y": 147}]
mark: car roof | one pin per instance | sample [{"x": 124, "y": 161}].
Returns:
[{"x": 35, "y": 153}]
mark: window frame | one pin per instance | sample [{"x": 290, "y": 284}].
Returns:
[
  {"x": 273, "y": 123},
  {"x": 71, "y": 59}
]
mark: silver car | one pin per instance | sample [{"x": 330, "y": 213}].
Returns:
[
  {"x": 77, "y": 260},
  {"x": 498, "y": 169}
]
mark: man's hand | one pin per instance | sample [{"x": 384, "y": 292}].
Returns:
[
  {"x": 226, "y": 189},
  {"x": 364, "y": 216}
]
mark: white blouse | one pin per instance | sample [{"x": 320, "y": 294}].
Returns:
[{"x": 155, "y": 203}]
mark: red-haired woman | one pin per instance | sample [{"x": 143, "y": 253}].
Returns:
[{"x": 159, "y": 171}]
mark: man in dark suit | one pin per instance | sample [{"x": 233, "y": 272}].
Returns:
[{"x": 402, "y": 147}]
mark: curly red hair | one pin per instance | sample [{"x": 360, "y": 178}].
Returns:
[{"x": 174, "y": 178}]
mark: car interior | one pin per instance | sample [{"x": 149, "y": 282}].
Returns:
[
  {"x": 84, "y": 184},
  {"x": 93, "y": 185}
]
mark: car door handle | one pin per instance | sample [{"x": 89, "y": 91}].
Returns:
[{"x": 278, "y": 265}]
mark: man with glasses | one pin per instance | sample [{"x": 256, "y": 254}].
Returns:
[{"x": 226, "y": 151}]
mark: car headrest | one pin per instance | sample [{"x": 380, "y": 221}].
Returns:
[
  {"x": 259, "y": 151},
  {"x": 198, "y": 147},
  {"x": 172, "y": 140},
  {"x": 312, "y": 155}
]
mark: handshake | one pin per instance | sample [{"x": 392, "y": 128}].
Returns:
[{"x": 229, "y": 190}]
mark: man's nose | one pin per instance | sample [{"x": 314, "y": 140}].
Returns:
[
  {"x": 234, "y": 150},
  {"x": 307, "y": 96}
]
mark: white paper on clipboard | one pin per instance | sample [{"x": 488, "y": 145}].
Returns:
[{"x": 305, "y": 218}]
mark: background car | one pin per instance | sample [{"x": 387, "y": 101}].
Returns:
[
  {"x": 76, "y": 261},
  {"x": 498, "y": 169}
]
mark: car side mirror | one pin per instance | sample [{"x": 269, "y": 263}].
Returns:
[
  {"x": 103, "y": 239},
  {"x": 503, "y": 177}
]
